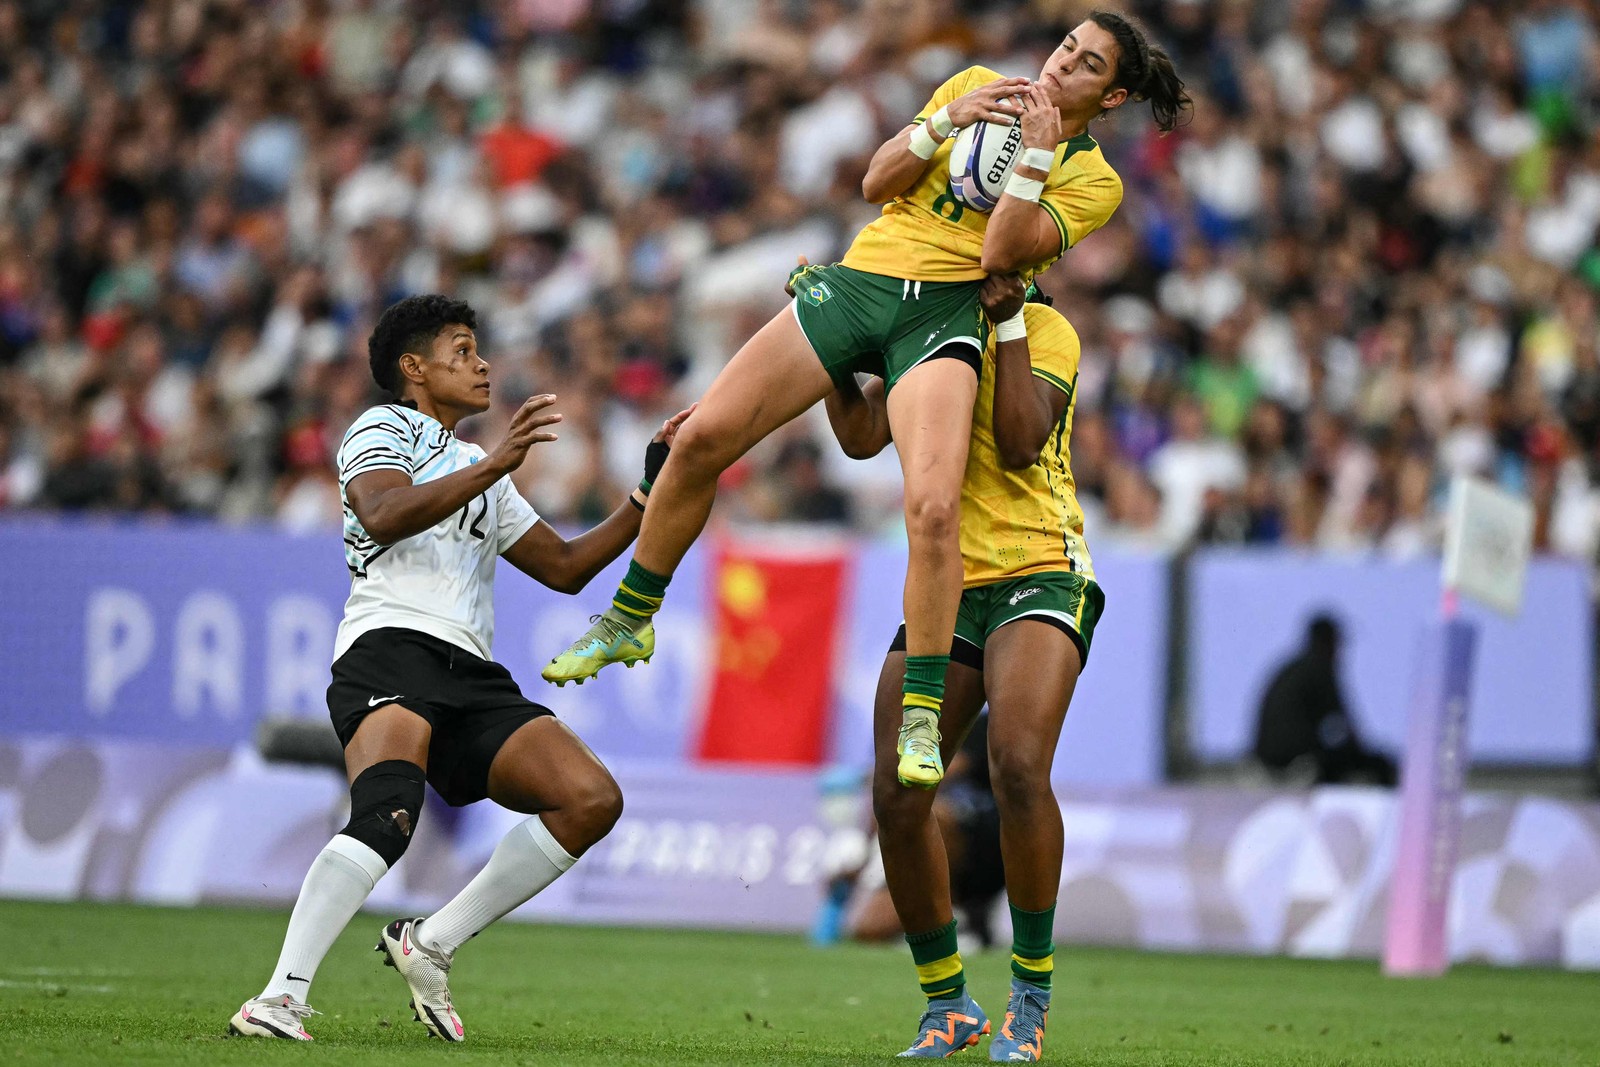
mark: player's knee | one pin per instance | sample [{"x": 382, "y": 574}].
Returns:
[
  {"x": 1021, "y": 780},
  {"x": 704, "y": 447},
  {"x": 603, "y": 806},
  {"x": 594, "y": 807},
  {"x": 385, "y": 803},
  {"x": 898, "y": 808},
  {"x": 932, "y": 517}
]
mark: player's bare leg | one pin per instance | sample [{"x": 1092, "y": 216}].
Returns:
[
  {"x": 772, "y": 380},
  {"x": 1031, "y": 669},
  {"x": 390, "y": 733},
  {"x": 769, "y": 382},
  {"x": 384, "y": 762},
  {"x": 542, "y": 770},
  {"x": 915, "y": 866},
  {"x": 930, "y": 417},
  {"x": 545, "y": 769}
]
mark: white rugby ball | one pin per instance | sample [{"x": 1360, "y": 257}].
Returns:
[{"x": 981, "y": 160}]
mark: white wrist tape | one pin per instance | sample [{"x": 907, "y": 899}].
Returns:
[
  {"x": 1029, "y": 189},
  {"x": 1040, "y": 159},
  {"x": 923, "y": 146},
  {"x": 1013, "y": 329}
]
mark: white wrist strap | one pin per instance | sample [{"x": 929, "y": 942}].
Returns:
[
  {"x": 1029, "y": 189},
  {"x": 1013, "y": 329},
  {"x": 925, "y": 144},
  {"x": 1040, "y": 159}
]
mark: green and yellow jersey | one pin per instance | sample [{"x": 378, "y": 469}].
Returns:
[
  {"x": 1015, "y": 523},
  {"x": 926, "y": 234}
]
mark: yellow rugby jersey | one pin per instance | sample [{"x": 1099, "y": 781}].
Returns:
[
  {"x": 928, "y": 235},
  {"x": 1015, "y": 523}
]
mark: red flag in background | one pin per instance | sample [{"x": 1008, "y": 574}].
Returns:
[{"x": 776, "y": 622}]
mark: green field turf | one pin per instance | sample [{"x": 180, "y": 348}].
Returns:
[{"x": 96, "y": 984}]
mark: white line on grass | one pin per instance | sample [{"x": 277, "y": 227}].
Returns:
[{"x": 45, "y": 986}]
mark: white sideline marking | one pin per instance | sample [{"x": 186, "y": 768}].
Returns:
[
  {"x": 72, "y": 972},
  {"x": 42, "y": 984}
]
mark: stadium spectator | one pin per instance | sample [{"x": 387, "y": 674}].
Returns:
[{"x": 1370, "y": 262}]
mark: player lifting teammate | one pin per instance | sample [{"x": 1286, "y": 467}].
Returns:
[
  {"x": 903, "y": 304},
  {"x": 1026, "y": 616},
  {"x": 415, "y": 696}
]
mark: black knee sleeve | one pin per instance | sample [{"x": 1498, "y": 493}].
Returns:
[{"x": 385, "y": 801}]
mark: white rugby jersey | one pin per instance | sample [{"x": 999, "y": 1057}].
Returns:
[{"x": 440, "y": 581}]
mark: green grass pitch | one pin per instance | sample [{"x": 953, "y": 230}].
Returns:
[{"x": 99, "y": 984}]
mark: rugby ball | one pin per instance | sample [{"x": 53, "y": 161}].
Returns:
[{"x": 981, "y": 160}]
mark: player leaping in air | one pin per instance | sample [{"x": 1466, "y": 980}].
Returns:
[
  {"x": 415, "y": 697},
  {"x": 903, "y": 304},
  {"x": 1026, "y": 616}
]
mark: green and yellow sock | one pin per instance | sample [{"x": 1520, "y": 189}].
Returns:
[
  {"x": 641, "y": 592},
  {"x": 1033, "y": 950},
  {"x": 924, "y": 684},
  {"x": 938, "y": 962}
]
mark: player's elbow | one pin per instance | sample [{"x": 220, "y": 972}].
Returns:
[
  {"x": 568, "y": 586},
  {"x": 874, "y": 190},
  {"x": 860, "y": 448},
  {"x": 999, "y": 260},
  {"x": 381, "y": 529},
  {"x": 558, "y": 571},
  {"x": 1018, "y": 459},
  {"x": 1017, "y": 455},
  {"x": 567, "y": 579}
]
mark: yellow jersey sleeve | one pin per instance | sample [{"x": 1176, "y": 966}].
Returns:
[
  {"x": 1053, "y": 346},
  {"x": 1083, "y": 191},
  {"x": 925, "y": 233},
  {"x": 1019, "y": 522}
]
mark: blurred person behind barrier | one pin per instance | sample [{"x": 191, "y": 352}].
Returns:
[{"x": 1303, "y": 725}]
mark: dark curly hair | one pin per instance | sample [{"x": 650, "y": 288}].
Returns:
[
  {"x": 410, "y": 326},
  {"x": 1146, "y": 71}
]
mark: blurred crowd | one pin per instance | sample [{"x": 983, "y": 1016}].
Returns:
[{"x": 1368, "y": 263}]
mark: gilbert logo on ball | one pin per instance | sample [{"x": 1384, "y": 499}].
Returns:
[{"x": 981, "y": 160}]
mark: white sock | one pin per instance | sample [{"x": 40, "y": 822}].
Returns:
[
  {"x": 338, "y": 883},
  {"x": 524, "y": 862}
]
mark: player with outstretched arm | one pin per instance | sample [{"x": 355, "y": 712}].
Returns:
[
  {"x": 415, "y": 696},
  {"x": 1021, "y": 637},
  {"x": 903, "y": 304}
]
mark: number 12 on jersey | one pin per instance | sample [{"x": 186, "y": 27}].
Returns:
[{"x": 475, "y": 529}]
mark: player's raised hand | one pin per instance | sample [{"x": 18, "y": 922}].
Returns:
[
  {"x": 669, "y": 429},
  {"x": 527, "y": 429},
  {"x": 1041, "y": 122},
  {"x": 655, "y": 453},
  {"x": 1002, "y": 296},
  {"x": 995, "y": 102}
]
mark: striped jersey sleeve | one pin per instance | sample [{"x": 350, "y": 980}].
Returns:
[{"x": 382, "y": 438}]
